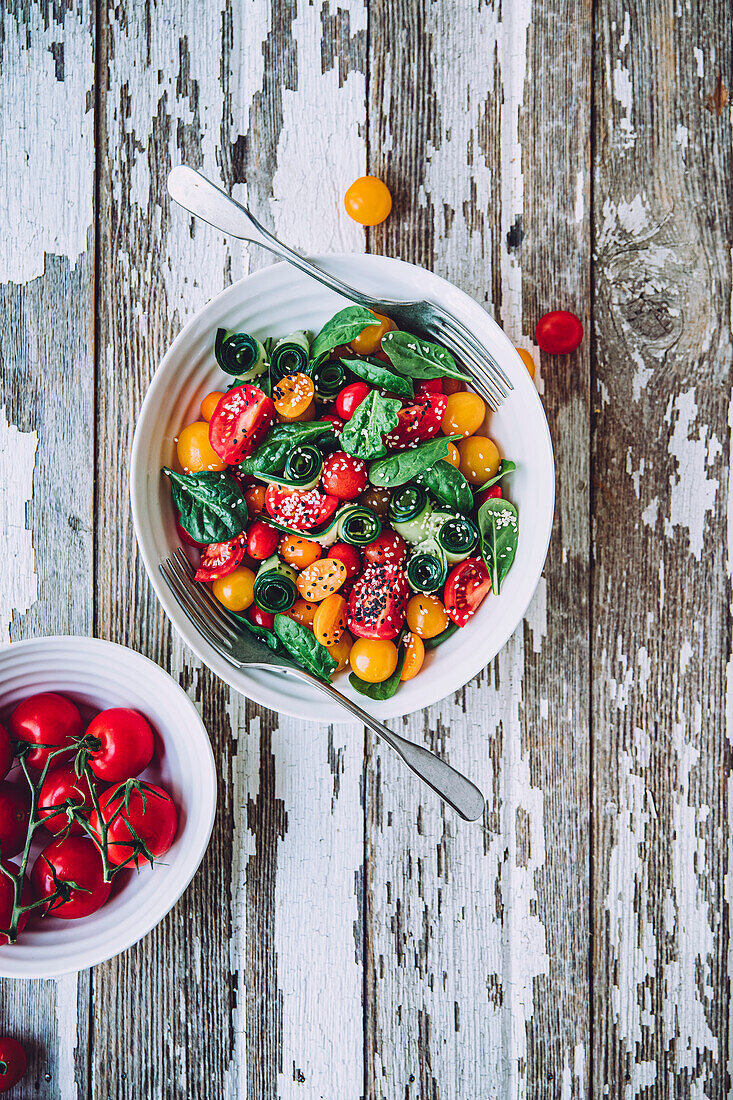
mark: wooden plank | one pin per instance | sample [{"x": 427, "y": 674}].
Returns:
[
  {"x": 476, "y": 978},
  {"x": 46, "y": 411},
  {"x": 661, "y": 592}
]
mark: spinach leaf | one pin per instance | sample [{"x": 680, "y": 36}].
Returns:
[
  {"x": 505, "y": 468},
  {"x": 449, "y": 485},
  {"x": 362, "y": 435},
  {"x": 499, "y": 527},
  {"x": 304, "y": 648},
  {"x": 211, "y": 505},
  {"x": 267, "y": 636},
  {"x": 270, "y": 456},
  {"x": 387, "y": 688},
  {"x": 381, "y": 377},
  {"x": 431, "y": 643},
  {"x": 418, "y": 358},
  {"x": 407, "y": 465},
  {"x": 342, "y": 329}
]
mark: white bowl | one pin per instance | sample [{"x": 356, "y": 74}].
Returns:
[
  {"x": 279, "y": 300},
  {"x": 100, "y": 674}
]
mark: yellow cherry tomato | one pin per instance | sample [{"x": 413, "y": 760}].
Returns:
[
  {"x": 195, "y": 453},
  {"x": 464, "y": 414},
  {"x": 453, "y": 455},
  {"x": 299, "y": 552},
  {"x": 480, "y": 458},
  {"x": 414, "y": 656},
  {"x": 255, "y": 498},
  {"x": 306, "y": 416},
  {"x": 527, "y": 359},
  {"x": 368, "y": 200},
  {"x": 329, "y": 621},
  {"x": 292, "y": 395},
  {"x": 426, "y": 615},
  {"x": 369, "y": 339},
  {"x": 320, "y": 579},
  {"x": 373, "y": 659},
  {"x": 209, "y": 403},
  {"x": 303, "y": 612},
  {"x": 340, "y": 650},
  {"x": 235, "y": 590}
]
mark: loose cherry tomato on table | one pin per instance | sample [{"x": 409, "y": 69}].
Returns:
[
  {"x": 299, "y": 552},
  {"x": 13, "y": 1062},
  {"x": 63, "y": 788},
  {"x": 349, "y": 556},
  {"x": 15, "y": 811},
  {"x": 292, "y": 395},
  {"x": 71, "y": 859},
  {"x": 302, "y": 509},
  {"x": 186, "y": 538},
  {"x": 6, "y": 752},
  {"x": 426, "y": 616},
  {"x": 343, "y": 476},
  {"x": 464, "y": 414},
  {"x": 373, "y": 659},
  {"x": 236, "y": 590},
  {"x": 480, "y": 458},
  {"x": 125, "y": 744},
  {"x": 414, "y": 656},
  {"x": 209, "y": 403},
  {"x": 418, "y": 422},
  {"x": 240, "y": 422},
  {"x": 350, "y": 398},
  {"x": 194, "y": 449},
  {"x": 150, "y": 812},
  {"x": 262, "y": 539},
  {"x": 389, "y": 547},
  {"x": 559, "y": 332},
  {"x": 260, "y": 617},
  {"x": 220, "y": 558},
  {"x": 368, "y": 200},
  {"x": 466, "y": 588},
  {"x": 7, "y": 896},
  {"x": 47, "y": 720},
  {"x": 369, "y": 340}
]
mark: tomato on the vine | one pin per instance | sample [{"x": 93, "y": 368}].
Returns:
[
  {"x": 15, "y": 811},
  {"x": 6, "y": 752},
  {"x": 62, "y": 787},
  {"x": 559, "y": 332},
  {"x": 13, "y": 1062},
  {"x": 67, "y": 860},
  {"x": 47, "y": 720},
  {"x": 350, "y": 398},
  {"x": 349, "y": 556},
  {"x": 466, "y": 588},
  {"x": 262, "y": 540},
  {"x": 150, "y": 812},
  {"x": 125, "y": 744},
  {"x": 7, "y": 897},
  {"x": 240, "y": 421},
  {"x": 389, "y": 547},
  {"x": 343, "y": 476},
  {"x": 220, "y": 558}
]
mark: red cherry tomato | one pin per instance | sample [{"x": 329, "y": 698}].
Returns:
[
  {"x": 465, "y": 589},
  {"x": 260, "y": 617},
  {"x": 63, "y": 788},
  {"x": 151, "y": 813},
  {"x": 349, "y": 556},
  {"x": 46, "y": 719},
  {"x": 71, "y": 859},
  {"x": 7, "y": 894},
  {"x": 387, "y": 548},
  {"x": 418, "y": 422},
  {"x": 559, "y": 332},
  {"x": 488, "y": 494},
  {"x": 303, "y": 510},
  {"x": 332, "y": 418},
  {"x": 262, "y": 540},
  {"x": 185, "y": 537},
  {"x": 13, "y": 1062},
  {"x": 428, "y": 385},
  {"x": 15, "y": 811},
  {"x": 219, "y": 559},
  {"x": 6, "y": 752},
  {"x": 240, "y": 422},
  {"x": 125, "y": 744},
  {"x": 350, "y": 398},
  {"x": 343, "y": 476}
]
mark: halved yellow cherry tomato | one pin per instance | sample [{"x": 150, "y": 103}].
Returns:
[
  {"x": 340, "y": 650},
  {"x": 292, "y": 395},
  {"x": 373, "y": 659},
  {"x": 321, "y": 578},
  {"x": 255, "y": 497},
  {"x": 480, "y": 458},
  {"x": 299, "y": 552},
  {"x": 369, "y": 339},
  {"x": 368, "y": 200},
  {"x": 195, "y": 453},
  {"x": 453, "y": 455},
  {"x": 235, "y": 590},
  {"x": 464, "y": 414},
  {"x": 527, "y": 359},
  {"x": 306, "y": 416},
  {"x": 329, "y": 621},
  {"x": 426, "y": 616},
  {"x": 303, "y": 612},
  {"x": 414, "y": 656},
  {"x": 209, "y": 403}
]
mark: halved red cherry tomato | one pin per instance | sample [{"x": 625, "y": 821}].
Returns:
[
  {"x": 260, "y": 617},
  {"x": 152, "y": 814},
  {"x": 377, "y": 602},
  {"x": 465, "y": 589},
  {"x": 418, "y": 422},
  {"x": 350, "y": 398},
  {"x": 220, "y": 558},
  {"x": 301, "y": 509},
  {"x": 343, "y": 476},
  {"x": 559, "y": 332},
  {"x": 13, "y": 1062},
  {"x": 125, "y": 744},
  {"x": 387, "y": 547},
  {"x": 349, "y": 556},
  {"x": 46, "y": 719},
  {"x": 428, "y": 385},
  {"x": 7, "y": 894},
  {"x": 71, "y": 859},
  {"x": 62, "y": 787},
  {"x": 262, "y": 540},
  {"x": 488, "y": 494},
  {"x": 240, "y": 422},
  {"x": 336, "y": 421},
  {"x": 15, "y": 810},
  {"x": 6, "y": 752}
]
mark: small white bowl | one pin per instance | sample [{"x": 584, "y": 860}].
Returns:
[
  {"x": 100, "y": 674},
  {"x": 274, "y": 302}
]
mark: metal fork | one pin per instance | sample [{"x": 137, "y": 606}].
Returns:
[
  {"x": 201, "y": 197},
  {"x": 225, "y": 634}
]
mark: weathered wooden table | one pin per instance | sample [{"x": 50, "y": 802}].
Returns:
[{"x": 346, "y": 936}]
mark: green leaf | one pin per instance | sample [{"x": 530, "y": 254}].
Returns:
[
  {"x": 431, "y": 643},
  {"x": 270, "y": 456},
  {"x": 418, "y": 358},
  {"x": 499, "y": 527},
  {"x": 267, "y": 636},
  {"x": 342, "y": 329},
  {"x": 505, "y": 468},
  {"x": 387, "y": 688},
  {"x": 304, "y": 648},
  {"x": 407, "y": 465},
  {"x": 375, "y": 416},
  {"x": 449, "y": 485},
  {"x": 211, "y": 505},
  {"x": 380, "y": 376}
]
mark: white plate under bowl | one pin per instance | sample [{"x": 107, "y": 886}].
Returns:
[
  {"x": 98, "y": 674},
  {"x": 274, "y": 302}
]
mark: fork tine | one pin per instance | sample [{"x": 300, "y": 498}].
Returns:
[
  {"x": 204, "y": 595},
  {"x": 496, "y": 370},
  {"x": 480, "y": 357},
  {"x": 190, "y": 607},
  {"x": 491, "y": 390}
]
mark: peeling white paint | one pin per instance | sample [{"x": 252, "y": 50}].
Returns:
[
  {"x": 692, "y": 491},
  {"x": 67, "y": 1025},
  {"x": 642, "y": 374},
  {"x": 18, "y": 579},
  {"x": 579, "y": 198},
  {"x": 698, "y": 55},
  {"x": 682, "y": 137}
]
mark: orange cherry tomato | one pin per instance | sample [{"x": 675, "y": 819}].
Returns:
[
  {"x": 321, "y": 578},
  {"x": 255, "y": 497},
  {"x": 426, "y": 616},
  {"x": 369, "y": 340},
  {"x": 464, "y": 414},
  {"x": 209, "y": 403},
  {"x": 293, "y": 395},
  {"x": 299, "y": 552},
  {"x": 453, "y": 456},
  {"x": 341, "y": 649},
  {"x": 526, "y": 357},
  {"x": 235, "y": 590},
  {"x": 303, "y": 612},
  {"x": 373, "y": 659},
  {"x": 305, "y": 417},
  {"x": 414, "y": 656},
  {"x": 368, "y": 200},
  {"x": 480, "y": 458},
  {"x": 329, "y": 622},
  {"x": 195, "y": 453}
]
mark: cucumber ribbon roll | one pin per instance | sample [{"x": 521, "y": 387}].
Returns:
[
  {"x": 289, "y": 356},
  {"x": 457, "y": 537},
  {"x": 329, "y": 377},
  {"x": 359, "y": 526},
  {"x": 240, "y": 355},
  {"x": 274, "y": 588}
]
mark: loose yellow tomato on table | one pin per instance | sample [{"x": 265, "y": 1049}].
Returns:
[
  {"x": 235, "y": 590},
  {"x": 195, "y": 453},
  {"x": 426, "y": 616},
  {"x": 373, "y": 659},
  {"x": 480, "y": 458},
  {"x": 368, "y": 200}
]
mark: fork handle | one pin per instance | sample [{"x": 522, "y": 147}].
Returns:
[
  {"x": 201, "y": 197},
  {"x": 454, "y": 788}
]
